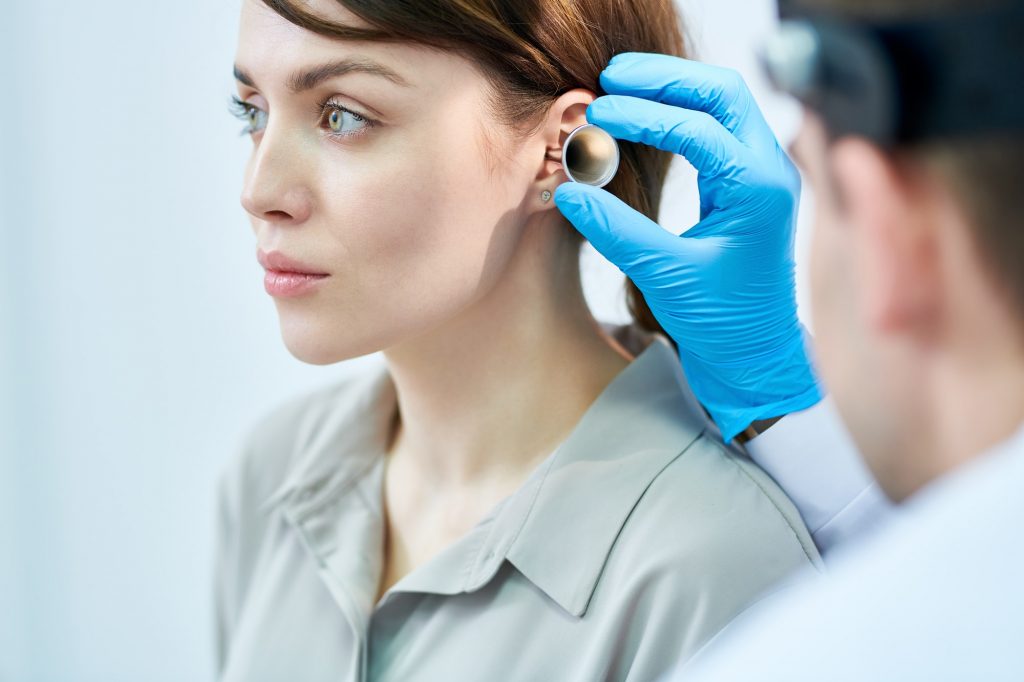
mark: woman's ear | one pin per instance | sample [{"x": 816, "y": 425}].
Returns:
[{"x": 567, "y": 112}]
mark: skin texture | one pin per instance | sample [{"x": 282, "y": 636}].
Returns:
[
  {"x": 916, "y": 339},
  {"x": 448, "y": 262}
]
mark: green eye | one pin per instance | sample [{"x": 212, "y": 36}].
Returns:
[
  {"x": 344, "y": 121},
  {"x": 341, "y": 121},
  {"x": 256, "y": 118},
  {"x": 253, "y": 116}
]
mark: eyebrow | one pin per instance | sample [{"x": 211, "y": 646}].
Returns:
[{"x": 308, "y": 78}]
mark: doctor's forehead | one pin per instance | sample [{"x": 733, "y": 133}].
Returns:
[
  {"x": 810, "y": 147},
  {"x": 793, "y": 149}
]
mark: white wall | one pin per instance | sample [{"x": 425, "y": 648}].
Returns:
[
  {"x": 11, "y": 578},
  {"x": 137, "y": 342}
]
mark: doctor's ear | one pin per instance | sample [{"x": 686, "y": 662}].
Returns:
[
  {"x": 567, "y": 112},
  {"x": 889, "y": 206}
]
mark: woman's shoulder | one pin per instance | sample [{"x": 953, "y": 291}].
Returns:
[
  {"x": 711, "y": 536},
  {"x": 713, "y": 528},
  {"x": 713, "y": 501}
]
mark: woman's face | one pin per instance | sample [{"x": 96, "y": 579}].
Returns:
[{"x": 395, "y": 201}]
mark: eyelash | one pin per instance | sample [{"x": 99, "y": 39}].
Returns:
[{"x": 242, "y": 109}]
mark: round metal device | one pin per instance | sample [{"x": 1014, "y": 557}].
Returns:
[{"x": 590, "y": 155}]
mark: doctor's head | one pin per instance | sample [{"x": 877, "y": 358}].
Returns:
[
  {"x": 404, "y": 148},
  {"x": 917, "y": 279}
]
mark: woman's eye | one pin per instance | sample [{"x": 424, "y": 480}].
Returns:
[
  {"x": 253, "y": 116},
  {"x": 342, "y": 121}
]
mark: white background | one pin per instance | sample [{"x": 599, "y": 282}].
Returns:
[{"x": 137, "y": 343}]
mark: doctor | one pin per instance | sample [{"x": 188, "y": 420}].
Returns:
[{"x": 917, "y": 281}]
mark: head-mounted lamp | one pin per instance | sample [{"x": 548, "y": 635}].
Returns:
[{"x": 901, "y": 82}]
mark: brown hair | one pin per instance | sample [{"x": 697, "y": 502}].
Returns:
[
  {"x": 982, "y": 172},
  {"x": 532, "y": 51}
]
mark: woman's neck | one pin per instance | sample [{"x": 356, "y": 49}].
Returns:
[{"x": 486, "y": 396}]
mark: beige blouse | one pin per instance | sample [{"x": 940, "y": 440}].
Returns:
[{"x": 628, "y": 547}]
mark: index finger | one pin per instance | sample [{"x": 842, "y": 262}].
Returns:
[
  {"x": 697, "y": 136},
  {"x": 715, "y": 90}
]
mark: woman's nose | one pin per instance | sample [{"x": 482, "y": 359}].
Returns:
[{"x": 275, "y": 187}]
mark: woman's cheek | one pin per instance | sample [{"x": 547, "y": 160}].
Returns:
[
  {"x": 416, "y": 219},
  {"x": 422, "y": 213}
]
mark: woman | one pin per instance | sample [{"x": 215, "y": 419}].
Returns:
[{"x": 517, "y": 492}]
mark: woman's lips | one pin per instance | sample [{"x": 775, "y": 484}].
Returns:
[
  {"x": 287, "y": 284},
  {"x": 287, "y": 276},
  {"x": 275, "y": 260}
]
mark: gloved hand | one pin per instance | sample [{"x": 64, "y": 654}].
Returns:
[{"x": 724, "y": 289}]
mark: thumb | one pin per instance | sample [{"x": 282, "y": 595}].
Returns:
[{"x": 619, "y": 232}]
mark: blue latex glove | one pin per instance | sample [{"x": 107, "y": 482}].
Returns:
[{"x": 724, "y": 289}]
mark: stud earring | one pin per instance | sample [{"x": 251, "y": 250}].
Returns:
[{"x": 545, "y": 195}]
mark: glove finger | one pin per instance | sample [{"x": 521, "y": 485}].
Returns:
[
  {"x": 698, "y": 137},
  {"x": 621, "y": 234},
  {"x": 718, "y": 91}
]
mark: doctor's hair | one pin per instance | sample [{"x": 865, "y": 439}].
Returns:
[
  {"x": 531, "y": 51},
  {"x": 982, "y": 172}
]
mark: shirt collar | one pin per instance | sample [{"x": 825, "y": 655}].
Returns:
[
  {"x": 340, "y": 436},
  {"x": 559, "y": 526}
]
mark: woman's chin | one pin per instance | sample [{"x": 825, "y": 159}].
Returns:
[{"x": 323, "y": 348}]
